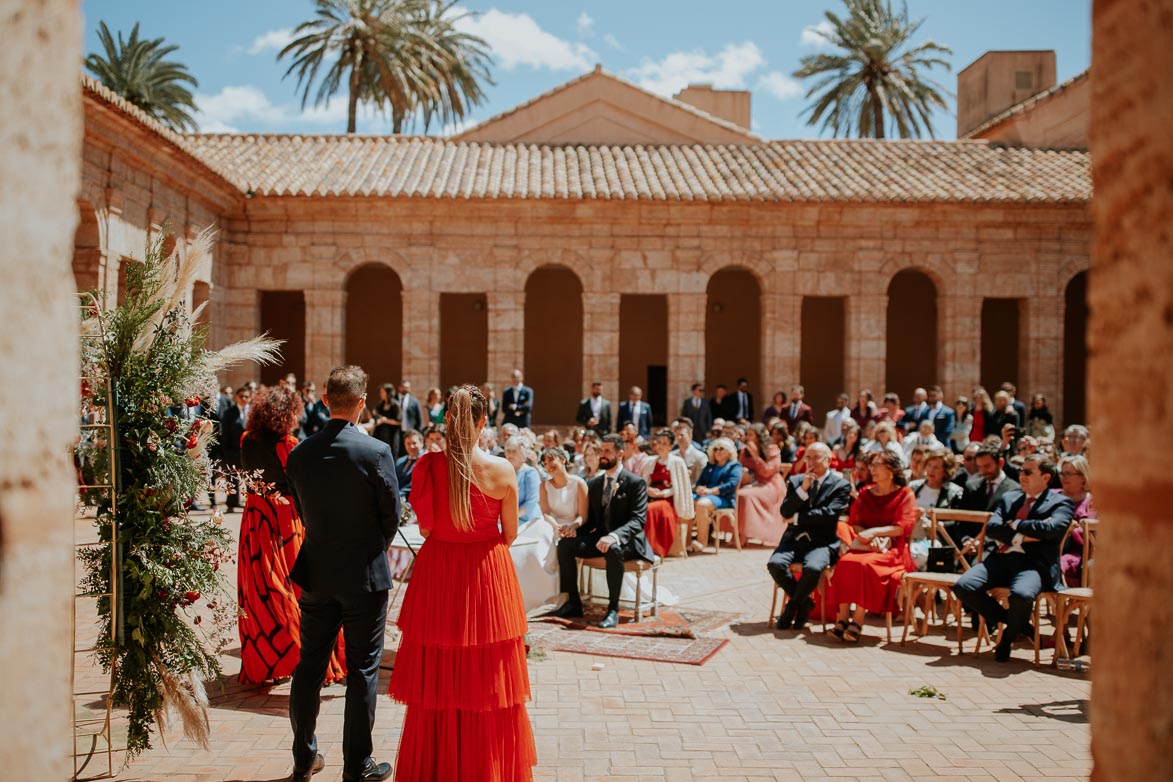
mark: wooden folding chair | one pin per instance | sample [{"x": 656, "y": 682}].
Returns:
[
  {"x": 820, "y": 590},
  {"x": 730, "y": 515},
  {"x": 586, "y": 568},
  {"x": 916, "y": 585},
  {"x": 1072, "y": 599}
]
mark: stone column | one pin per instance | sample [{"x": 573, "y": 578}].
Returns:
[
  {"x": 1042, "y": 358},
  {"x": 686, "y": 347},
  {"x": 506, "y": 336},
  {"x": 781, "y": 343},
  {"x": 421, "y": 337},
  {"x": 600, "y": 350},
  {"x": 40, "y": 159},
  {"x": 1130, "y": 379},
  {"x": 867, "y": 322},
  {"x": 960, "y": 344},
  {"x": 325, "y": 328}
]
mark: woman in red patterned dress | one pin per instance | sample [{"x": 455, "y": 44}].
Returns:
[
  {"x": 270, "y": 537},
  {"x": 669, "y": 493},
  {"x": 461, "y": 666},
  {"x": 869, "y": 574}
]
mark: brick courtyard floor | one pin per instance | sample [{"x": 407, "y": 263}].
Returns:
[{"x": 769, "y": 706}]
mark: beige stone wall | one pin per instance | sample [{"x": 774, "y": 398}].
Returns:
[
  {"x": 988, "y": 85},
  {"x": 969, "y": 251},
  {"x": 40, "y": 146},
  {"x": 1059, "y": 122},
  {"x": 1130, "y": 380}
]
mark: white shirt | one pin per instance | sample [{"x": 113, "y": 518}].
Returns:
[
  {"x": 596, "y": 406},
  {"x": 818, "y": 484},
  {"x": 833, "y": 429},
  {"x": 742, "y": 405}
]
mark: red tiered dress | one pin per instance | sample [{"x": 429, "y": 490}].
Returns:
[
  {"x": 461, "y": 667},
  {"x": 661, "y": 524}
]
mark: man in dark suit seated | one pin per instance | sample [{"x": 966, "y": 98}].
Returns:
[
  {"x": 696, "y": 409},
  {"x": 594, "y": 412},
  {"x": 638, "y": 412},
  {"x": 343, "y": 485},
  {"x": 413, "y": 446},
  {"x": 983, "y": 492},
  {"x": 816, "y": 499},
  {"x": 1028, "y": 526},
  {"x": 614, "y": 528}
]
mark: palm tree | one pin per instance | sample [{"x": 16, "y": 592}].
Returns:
[
  {"x": 402, "y": 56},
  {"x": 876, "y": 78},
  {"x": 137, "y": 70}
]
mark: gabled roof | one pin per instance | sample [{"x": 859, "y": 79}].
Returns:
[
  {"x": 598, "y": 97},
  {"x": 844, "y": 171},
  {"x": 1026, "y": 105}
]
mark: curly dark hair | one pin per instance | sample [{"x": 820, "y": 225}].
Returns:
[
  {"x": 275, "y": 410},
  {"x": 892, "y": 461}
]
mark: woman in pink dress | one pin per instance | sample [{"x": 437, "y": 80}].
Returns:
[
  {"x": 869, "y": 574},
  {"x": 759, "y": 500},
  {"x": 461, "y": 666}
]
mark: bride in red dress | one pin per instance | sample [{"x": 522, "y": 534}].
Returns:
[{"x": 461, "y": 666}]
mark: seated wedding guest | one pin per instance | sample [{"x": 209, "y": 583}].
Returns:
[
  {"x": 715, "y": 488},
  {"x": 865, "y": 408},
  {"x": 762, "y": 488},
  {"x": 551, "y": 439},
  {"x": 885, "y": 440},
  {"x": 633, "y": 455},
  {"x": 271, "y": 535},
  {"x": 1004, "y": 414},
  {"x": 890, "y": 410},
  {"x": 693, "y": 455},
  {"x": 780, "y": 434},
  {"x": 868, "y": 574},
  {"x": 850, "y": 447},
  {"x": 509, "y": 431},
  {"x": 833, "y": 427},
  {"x": 968, "y": 464},
  {"x": 590, "y": 461},
  {"x": 924, "y": 436},
  {"x": 959, "y": 438},
  {"x": 573, "y": 446},
  {"x": 413, "y": 446},
  {"x": 533, "y": 551},
  {"x": 775, "y": 408},
  {"x": 935, "y": 490},
  {"x": 984, "y": 491},
  {"x": 385, "y": 417},
  {"x": 435, "y": 438},
  {"x": 983, "y": 415},
  {"x": 1075, "y": 440},
  {"x": 488, "y": 442},
  {"x": 814, "y": 502},
  {"x": 860, "y": 477},
  {"x": 1075, "y": 474},
  {"x": 1040, "y": 423},
  {"x": 669, "y": 493},
  {"x": 806, "y": 436},
  {"x": 916, "y": 463},
  {"x": 517, "y": 453},
  {"x": 1027, "y": 527},
  {"x": 434, "y": 406}
]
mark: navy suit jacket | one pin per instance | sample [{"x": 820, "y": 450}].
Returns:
[
  {"x": 624, "y": 517},
  {"x": 943, "y": 422},
  {"x": 1047, "y": 520},
  {"x": 817, "y": 516},
  {"x": 411, "y": 417},
  {"x": 643, "y": 425},
  {"x": 524, "y": 399},
  {"x": 404, "y": 466},
  {"x": 343, "y": 484}
]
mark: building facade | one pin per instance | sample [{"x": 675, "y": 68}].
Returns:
[{"x": 600, "y": 232}]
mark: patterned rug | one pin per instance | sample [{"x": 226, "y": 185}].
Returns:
[{"x": 674, "y": 636}]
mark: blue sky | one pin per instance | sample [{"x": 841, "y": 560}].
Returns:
[{"x": 662, "y": 45}]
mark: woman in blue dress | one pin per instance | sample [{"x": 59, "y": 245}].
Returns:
[{"x": 716, "y": 488}]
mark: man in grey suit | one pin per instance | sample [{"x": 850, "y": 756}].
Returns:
[
  {"x": 344, "y": 487},
  {"x": 696, "y": 409},
  {"x": 409, "y": 411}
]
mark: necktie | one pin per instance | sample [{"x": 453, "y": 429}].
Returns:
[
  {"x": 696, "y": 403},
  {"x": 607, "y": 485},
  {"x": 989, "y": 489},
  {"x": 1025, "y": 509},
  {"x": 794, "y": 411}
]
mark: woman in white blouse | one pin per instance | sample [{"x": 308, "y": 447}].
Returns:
[{"x": 669, "y": 494}]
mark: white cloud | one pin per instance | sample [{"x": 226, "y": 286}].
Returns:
[
  {"x": 728, "y": 69},
  {"x": 813, "y": 35},
  {"x": 246, "y": 104},
  {"x": 613, "y": 42},
  {"x": 516, "y": 39},
  {"x": 779, "y": 85},
  {"x": 585, "y": 24},
  {"x": 274, "y": 39}
]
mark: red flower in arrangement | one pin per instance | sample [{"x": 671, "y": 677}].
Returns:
[
  {"x": 170, "y": 424},
  {"x": 198, "y": 619},
  {"x": 192, "y": 401},
  {"x": 190, "y": 597},
  {"x": 86, "y": 390},
  {"x": 192, "y": 442},
  {"x": 149, "y": 492}
]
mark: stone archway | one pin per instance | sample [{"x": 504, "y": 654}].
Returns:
[
  {"x": 373, "y": 331},
  {"x": 87, "y": 249},
  {"x": 910, "y": 357},
  {"x": 733, "y": 331},
  {"x": 1075, "y": 316},
  {"x": 553, "y": 343}
]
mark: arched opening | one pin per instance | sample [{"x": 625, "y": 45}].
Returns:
[
  {"x": 643, "y": 350},
  {"x": 910, "y": 353},
  {"x": 374, "y": 324},
  {"x": 1075, "y": 315},
  {"x": 283, "y": 318},
  {"x": 823, "y": 356},
  {"x": 201, "y": 294},
  {"x": 87, "y": 249},
  {"x": 1001, "y": 329},
  {"x": 553, "y": 343},
  {"x": 464, "y": 339},
  {"x": 733, "y": 332}
]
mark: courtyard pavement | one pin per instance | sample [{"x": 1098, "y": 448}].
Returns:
[{"x": 769, "y": 706}]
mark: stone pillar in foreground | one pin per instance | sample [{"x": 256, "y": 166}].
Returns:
[
  {"x": 1130, "y": 386},
  {"x": 40, "y": 170}
]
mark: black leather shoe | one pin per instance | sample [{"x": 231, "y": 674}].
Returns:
[
  {"x": 610, "y": 620},
  {"x": 786, "y": 620},
  {"x": 371, "y": 772},
  {"x": 1027, "y": 634},
  {"x": 1002, "y": 653},
  {"x": 304, "y": 776},
  {"x": 803, "y": 613},
  {"x": 568, "y": 610}
]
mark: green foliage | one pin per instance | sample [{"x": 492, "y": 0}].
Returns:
[
  {"x": 927, "y": 691},
  {"x": 874, "y": 81},
  {"x": 169, "y": 558},
  {"x": 137, "y": 69},
  {"x": 406, "y": 57}
]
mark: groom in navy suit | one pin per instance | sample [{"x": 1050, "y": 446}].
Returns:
[
  {"x": 517, "y": 403},
  {"x": 343, "y": 484}
]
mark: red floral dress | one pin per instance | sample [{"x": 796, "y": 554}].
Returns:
[
  {"x": 872, "y": 578},
  {"x": 661, "y": 525}
]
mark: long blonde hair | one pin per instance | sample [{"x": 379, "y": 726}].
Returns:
[{"x": 466, "y": 406}]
